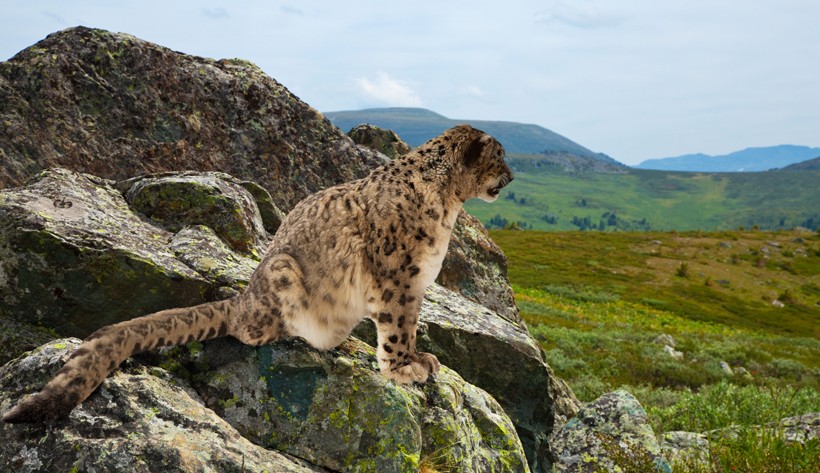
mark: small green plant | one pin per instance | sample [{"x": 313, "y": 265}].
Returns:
[
  {"x": 635, "y": 459},
  {"x": 683, "y": 270},
  {"x": 752, "y": 449},
  {"x": 788, "y": 297}
]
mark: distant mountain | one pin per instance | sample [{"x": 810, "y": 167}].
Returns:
[
  {"x": 810, "y": 165},
  {"x": 418, "y": 125},
  {"x": 747, "y": 160}
]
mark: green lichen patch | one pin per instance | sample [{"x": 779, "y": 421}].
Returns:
[{"x": 203, "y": 251}]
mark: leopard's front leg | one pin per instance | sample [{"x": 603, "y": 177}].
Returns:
[{"x": 396, "y": 324}]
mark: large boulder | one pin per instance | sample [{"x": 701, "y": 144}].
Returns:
[
  {"x": 177, "y": 200},
  {"x": 116, "y": 106},
  {"x": 610, "y": 433},
  {"x": 140, "y": 420},
  {"x": 74, "y": 257},
  {"x": 333, "y": 408},
  {"x": 384, "y": 141}
]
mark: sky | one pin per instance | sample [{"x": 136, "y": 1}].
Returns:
[{"x": 635, "y": 79}]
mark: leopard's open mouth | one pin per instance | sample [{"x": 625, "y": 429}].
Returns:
[{"x": 502, "y": 183}]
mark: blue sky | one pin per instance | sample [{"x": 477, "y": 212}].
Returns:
[{"x": 635, "y": 79}]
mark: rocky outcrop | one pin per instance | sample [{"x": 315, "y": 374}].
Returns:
[
  {"x": 476, "y": 268},
  {"x": 116, "y": 106},
  {"x": 384, "y": 141},
  {"x": 72, "y": 242},
  {"x": 611, "y": 431},
  {"x": 334, "y": 409},
  {"x": 74, "y": 257},
  {"x": 140, "y": 420},
  {"x": 330, "y": 409},
  {"x": 79, "y": 251}
]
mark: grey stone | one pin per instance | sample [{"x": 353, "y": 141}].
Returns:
[
  {"x": 672, "y": 352},
  {"x": 378, "y": 139},
  {"x": 608, "y": 433},
  {"x": 139, "y": 420},
  {"x": 665, "y": 339},
  {"x": 74, "y": 257},
  {"x": 688, "y": 447},
  {"x": 176, "y": 200},
  {"x": 333, "y": 408}
]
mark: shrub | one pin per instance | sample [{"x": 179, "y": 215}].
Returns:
[{"x": 724, "y": 403}]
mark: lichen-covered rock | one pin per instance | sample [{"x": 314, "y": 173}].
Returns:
[
  {"x": 17, "y": 337},
  {"x": 116, "y": 106},
  {"x": 333, "y": 408},
  {"x": 139, "y": 420},
  {"x": 688, "y": 447},
  {"x": 606, "y": 435},
  {"x": 86, "y": 220},
  {"x": 74, "y": 257},
  {"x": 176, "y": 200},
  {"x": 565, "y": 404},
  {"x": 500, "y": 357},
  {"x": 271, "y": 215},
  {"x": 476, "y": 268},
  {"x": 203, "y": 251},
  {"x": 801, "y": 429},
  {"x": 384, "y": 141}
]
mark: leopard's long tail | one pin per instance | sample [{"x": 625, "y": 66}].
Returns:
[{"x": 105, "y": 349}]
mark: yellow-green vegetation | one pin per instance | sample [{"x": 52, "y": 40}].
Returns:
[{"x": 597, "y": 301}]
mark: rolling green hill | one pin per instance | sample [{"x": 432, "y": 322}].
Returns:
[
  {"x": 417, "y": 125},
  {"x": 547, "y": 196}
]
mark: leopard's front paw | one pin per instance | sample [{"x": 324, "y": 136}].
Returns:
[{"x": 414, "y": 369}]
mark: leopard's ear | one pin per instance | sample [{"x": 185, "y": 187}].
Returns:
[{"x": 473, "y": 152}]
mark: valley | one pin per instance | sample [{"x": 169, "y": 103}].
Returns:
[{"x": 549, "y": 197}]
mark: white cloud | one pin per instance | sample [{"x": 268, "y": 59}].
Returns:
[
  {"x": 217, "y": 13},
  {"x": 584, "y": 15},
  {"x": 472, "y": 90},
  {"x": 291, "y": 10},
  {"x": 387, "y": 90}
]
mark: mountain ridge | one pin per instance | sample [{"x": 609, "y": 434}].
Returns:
[
  {"x": 417, "y": 125},
  {"x": 754, "y": 159}
]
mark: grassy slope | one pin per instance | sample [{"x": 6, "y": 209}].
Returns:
[
  {"x": 664, "y": 200},
  {"x": 733, "y": 276},
  {"x": 596, "y": 301}
]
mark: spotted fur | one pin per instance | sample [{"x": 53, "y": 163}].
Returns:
[{"x": 364, "y": 248}]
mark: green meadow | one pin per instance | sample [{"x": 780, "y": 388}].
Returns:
[{"x": 597, "y": 301}]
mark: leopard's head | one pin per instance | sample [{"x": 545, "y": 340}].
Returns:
[{"x": 484, "y": 172}]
